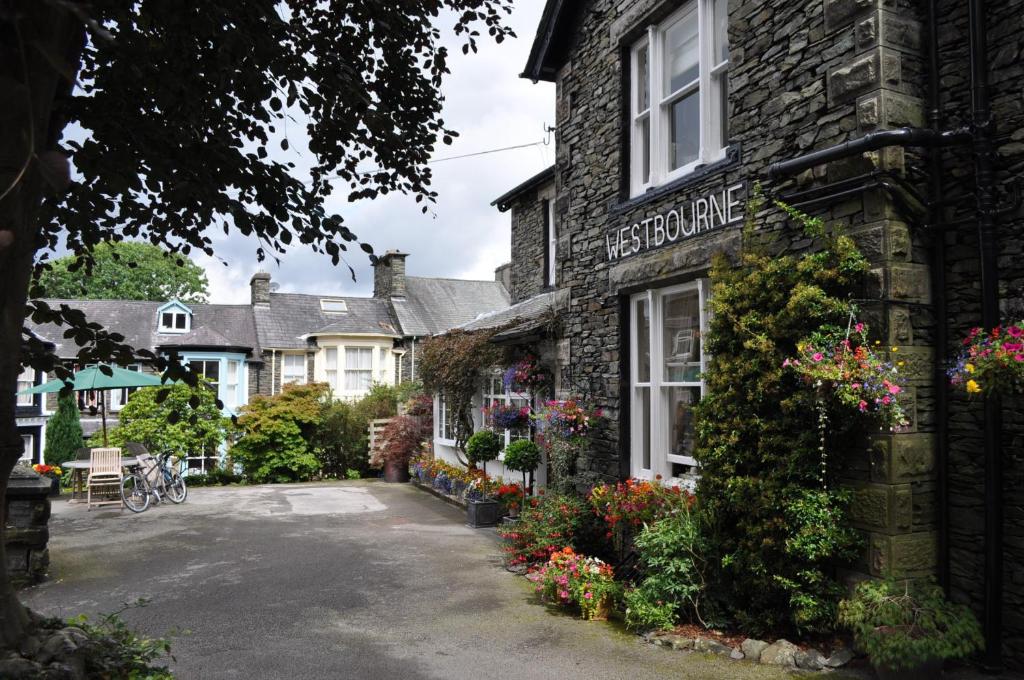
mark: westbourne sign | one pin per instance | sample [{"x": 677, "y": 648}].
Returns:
[{"x": 687, "y": 218}]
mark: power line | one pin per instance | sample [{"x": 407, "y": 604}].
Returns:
[{"x": 454, "y": 158}]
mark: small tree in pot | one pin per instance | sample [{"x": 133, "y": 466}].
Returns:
[
  {"x": 482, "y": 446},
  {"x": 523, "y": 456},
  {"x": 908, "y": 629},
  {"x": 401, "y": 440}
]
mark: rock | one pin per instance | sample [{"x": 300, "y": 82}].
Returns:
[
  {"x": 60, "y": 646},
  {"x": 711, "y": 647},
  {"x": 781, "y": 653},
  {"x": 840, "y": 657},
  {"x": 16, "y": 669},
  {"x": 680, "y": 642},
  {"x": 752, "y": 648},
  {"x": 30, "y": 646},
  {"x": 810, "y": 660},
  {"x": 737, "y": 655}
]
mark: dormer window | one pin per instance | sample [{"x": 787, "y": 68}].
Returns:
[
  {"x": 174, "y": 317},
  {"x": 333, "y": 306}
]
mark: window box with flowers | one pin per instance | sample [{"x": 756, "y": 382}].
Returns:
[{"x": 991, "y": 361}]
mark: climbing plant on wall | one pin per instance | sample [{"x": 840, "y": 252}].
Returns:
[
  {"x": 779, "y": 526},
  {"x": 454, "y": 365}
]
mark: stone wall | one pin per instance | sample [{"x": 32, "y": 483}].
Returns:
[
  {"x": 804, "y": 75},
  {"x": 966, "y": 460},
  {"x": 529, "y": 242},
  {"x": 265, "y": 377},
  {"x": 26, "y": 534}
]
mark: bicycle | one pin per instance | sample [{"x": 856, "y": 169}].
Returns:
[{"x": 151, "y": 480}]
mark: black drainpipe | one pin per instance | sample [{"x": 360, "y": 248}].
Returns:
[
  {"x": 938, "y": 266},
  {"x": 984, "y": 156}
]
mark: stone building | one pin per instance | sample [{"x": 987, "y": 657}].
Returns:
[{"x": 901, "y": 121}]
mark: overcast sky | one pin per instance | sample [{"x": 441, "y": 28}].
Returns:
[{"x": 464, "y": 237}]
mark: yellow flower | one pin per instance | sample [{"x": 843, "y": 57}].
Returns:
[
  {"x": 969, "y": 368},
  {"x": 895, "y": 349},
  {"x": 900, "y": 363},
  {"x": 973, "y": 387}
]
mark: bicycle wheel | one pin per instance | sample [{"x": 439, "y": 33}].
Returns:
[
  {"x": 134, "y": 492},
  {"x": 175, "y": 487}
]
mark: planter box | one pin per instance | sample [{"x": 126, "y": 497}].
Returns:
[{"x": 483, "y": 513}]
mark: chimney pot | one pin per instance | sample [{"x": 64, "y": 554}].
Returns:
[{"x": 259, "y": 289}]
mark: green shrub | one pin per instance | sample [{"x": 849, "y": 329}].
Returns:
[
  {"x": 482, "y": 446},
  {"x": 186, "y": 423},
  {"x": 380, "y": 402},
  {"x": 353, "y": 474},
  {"x": 114, "y": 650},
  {"x": 672, "y": 555},
  {"x": 276, "y": 434},
  {"x": 776, "y": 544},
  {"x": 63, "y": 432},
  {"x": 546, "y": 525},
  {"x": 342, "y": 440},
  {"x": 900, "y": 624}
]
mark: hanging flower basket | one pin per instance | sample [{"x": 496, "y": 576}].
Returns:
[
  {"x": 506, "y": 416},
  {"x": 526, "y": 376},
  {"x": 991, "y": 361}
]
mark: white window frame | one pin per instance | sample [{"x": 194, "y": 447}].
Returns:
[
  {"x": 344, "y": 370},
  {"x": 293, "y": 377},
  {"x": 445, "y": 429},
  {"x": 26, "y": 380},
  {"x": 118, "y": 398},
  {"x": 175, "y": 314},
  {"x": 659, "y": 417},
  {"x": 490, "y": 394},
  {"x": 711, "y": 81},
  {"x": 552, "y": 237},
  {"x": 28, "y": 453},
  {"x": 333, "y": 306},
  {"x": 231, "y": 382}
]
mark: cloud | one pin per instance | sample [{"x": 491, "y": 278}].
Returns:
[{"x": 462, "y": 236}]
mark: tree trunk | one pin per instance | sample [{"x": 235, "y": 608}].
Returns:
[{"x": 34, "y": 36}]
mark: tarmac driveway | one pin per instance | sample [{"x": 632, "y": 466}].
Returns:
[{"x": 360, "y": 580}]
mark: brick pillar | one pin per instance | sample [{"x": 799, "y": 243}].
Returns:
[
  {"x": 26, "y": 533},
  {"x": 893, "y": 480}
]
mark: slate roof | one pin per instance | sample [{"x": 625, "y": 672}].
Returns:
[
  {"x": 524, "y": 316},
  {"x": 220, "y": 326},
  {"x": 547, "y": 53},
  {"x": 290, "y": 317},
  {"x": 504, "y": 202},
  {"x": 432, "y": 306}
]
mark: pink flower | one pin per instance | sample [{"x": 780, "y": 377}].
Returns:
[
  {"x": 894, "y": 389},
  {"x": 863, "y": 406},
  {"x": 1019, "y": 357},
  {"x": 886, "y": 399},
  {"x": 818, "y": 356},
  {"x": 859, "y": 328},
  {"x": 856, "y": 386},
  {"x": 564, "y": 594},
  {"x": 1015, "y": 331},
  {"x": 588, "y": 595},
  {"x": 787, "y": 363}
]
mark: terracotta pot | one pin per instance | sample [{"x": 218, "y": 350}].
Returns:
[
  {"x": 603, "y": 611},
  {"x": 396, "y": 471}
]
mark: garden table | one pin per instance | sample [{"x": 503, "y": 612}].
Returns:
[{"x": 80, "y": 467}]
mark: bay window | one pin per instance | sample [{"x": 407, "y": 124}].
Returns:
[
  {"x": 679, "y": 94},
  {"x": 331, "y": 367},
  {"x": 666, "y": 364}
]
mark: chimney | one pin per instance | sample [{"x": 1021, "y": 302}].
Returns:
[
  {"x": 259, "y": 289},
  {"x": 503, "y": 275},
  {"x": 389, "y": 275}
]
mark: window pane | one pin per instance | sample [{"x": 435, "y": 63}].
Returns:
[
  {"x": 645, "y": 149},
  {"x": 212, "y": 371},
  {"x": 681, "y": 339},
  {"x": 682, "y": 53},
  {"x": 167, "y": 320},
  {"x": 681, "y": 401},
  {"x": 721, "y": 24},
  {"x": 232, "y": 372},
  {"x": 643, "y": 85},
  {"x": 723, "y": 108},
  {"x": 27, "y": 445},
  {"x": 685, "y": 140},
  {"x": 331, "y": 358},
  {"x": 643, "y": 340},
  {"x": 359, "y": 358},
  {"x": 643, "y": 437},
  {"x": 179, "y": 320}
]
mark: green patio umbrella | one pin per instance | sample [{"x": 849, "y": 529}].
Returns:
[{"x": 93, "y": 378}]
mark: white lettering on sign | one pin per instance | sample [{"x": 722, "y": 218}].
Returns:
[{"x": 688, "y": 218}]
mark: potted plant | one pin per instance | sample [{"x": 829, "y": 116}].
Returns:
[
  {"x": 400, "y": 441},
  {"x": 53, "y": 473},
  {"x": 523, "y": 456},
  {"x": 482, "y": 446},
  {"x": 908, "y": 629}
]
